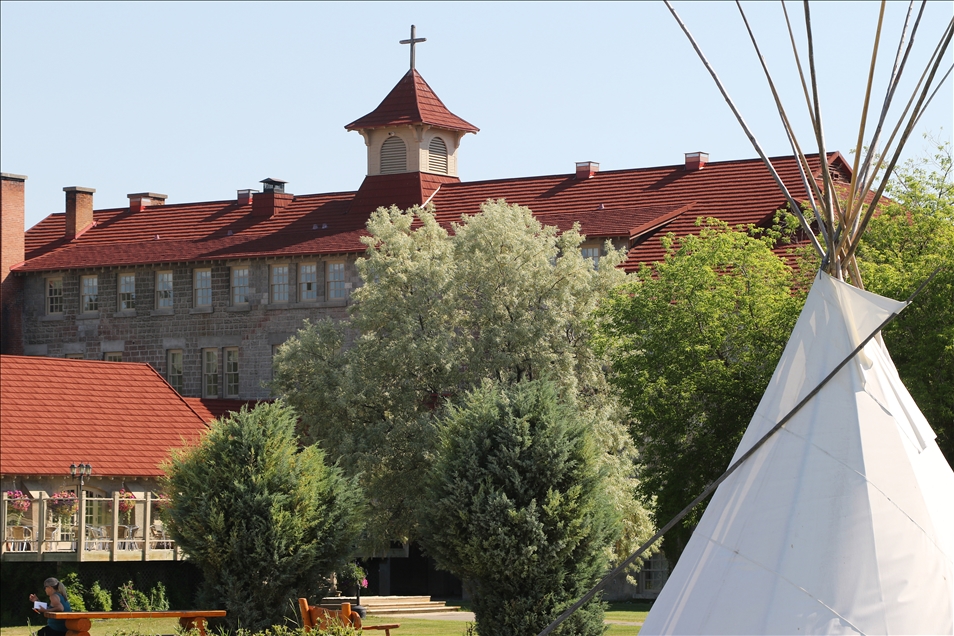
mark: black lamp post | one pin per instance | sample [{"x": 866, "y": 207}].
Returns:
[{"x": 82, "y": 471}]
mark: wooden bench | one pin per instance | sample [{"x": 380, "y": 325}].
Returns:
[
  {"x": 78, "y": 623},
  {"x": 313, "y": 616}
]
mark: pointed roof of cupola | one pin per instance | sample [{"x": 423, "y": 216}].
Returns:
[{"x": 412, "y": 102}]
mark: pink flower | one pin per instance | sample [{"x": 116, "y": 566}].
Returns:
[
  {"x": 364, "y": 583},
  {"x": 18, "y": 501}
]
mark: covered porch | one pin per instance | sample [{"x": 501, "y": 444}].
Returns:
[{"x": 80, "y": 527}]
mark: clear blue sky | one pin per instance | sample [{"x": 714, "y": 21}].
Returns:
[{"x": 197, "y": 100}]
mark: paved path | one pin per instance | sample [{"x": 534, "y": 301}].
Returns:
[
  {"x": 469, "y": 617},
  {"x": 434, "y": 616}
]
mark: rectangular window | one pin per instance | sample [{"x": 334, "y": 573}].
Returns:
[
  {"x": 203, "y": 288},
  {"x": 90, "y": 293},
  {"x": 163, "y": 290},
  {"x": 113, "y": 356},
  {"x": 279, "y": 288},
  {"x": 655, "y": 573},
  {"x": 592, "y": 253},
  {"x": 307, "y": 282},
  {"x": 174, "y": 369},
  {"x": 231, "y": 372},
  {"x": 240, "y": 285},
  {"x": 210, "y": 373},
  {"x": 54, "y": 295},
  {"x": 127, "y": 291},
  {"x": 336, "y": 280}
]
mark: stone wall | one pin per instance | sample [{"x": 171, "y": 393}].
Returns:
[{"x": 147, "y": 333}]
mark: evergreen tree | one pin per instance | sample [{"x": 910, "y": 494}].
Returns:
[
  {"x": 519, "y": 509},
  {"x": 265, "y": 521}
]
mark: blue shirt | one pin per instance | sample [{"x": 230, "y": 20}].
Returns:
[{"x": 58, "y": 623}]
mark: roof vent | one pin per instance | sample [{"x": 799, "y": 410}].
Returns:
[
  {"x": 245, "y": 196},
  {"x": 696, "y": 160},
  {"x": 274, "y": 185},
  {"x": 140, "y": 200},
  {"x": 586, "y": 169}
]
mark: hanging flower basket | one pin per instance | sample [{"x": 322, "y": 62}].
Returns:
[
  {"x": 127, "y": 503},
  {"x": 19, "y": 503},
  {"x": 63, "y": 505}
]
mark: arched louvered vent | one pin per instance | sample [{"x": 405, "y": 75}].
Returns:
[
  {"x": 393, "y": 156},
  {"x": 437, "y": 156}
]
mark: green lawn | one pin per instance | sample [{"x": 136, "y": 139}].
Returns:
[
  {"x": 105, "y": 628},
  {"x": 630, "y": 612}
]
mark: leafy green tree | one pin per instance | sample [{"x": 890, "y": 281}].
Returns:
[
  {"x": 901, "y": 247},
  {"x": 693, "y": 343},
  {"x": 519, "y": 508},
  {"x": 264, "y": 520},
  {"x": 500, "y": 297}
]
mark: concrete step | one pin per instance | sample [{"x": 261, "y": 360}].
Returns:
[{"x": 384, "y": 605}]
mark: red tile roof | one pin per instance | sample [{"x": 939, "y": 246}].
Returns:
[
  {"x": 405, "y": 189},
  {"x": 412, "y": 101},
  {"x": 639, "y": 204},
  {"x": 213, "y": 408},
  {"x": 122, "y": 418}
]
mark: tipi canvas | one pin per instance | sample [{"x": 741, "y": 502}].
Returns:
[{"x": 843, "y": 521}]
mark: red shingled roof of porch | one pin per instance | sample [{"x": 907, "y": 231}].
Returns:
[{"x": 121, "y": 417}]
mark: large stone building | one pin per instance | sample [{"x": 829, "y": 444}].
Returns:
[{"x": 205, "y": 292}]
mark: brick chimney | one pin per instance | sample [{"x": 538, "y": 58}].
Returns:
[
  {"x": 11, "y": 253},
  {"x": 586, "y": 169},
  {"x": 696, "y": 161},
  {"x": 141, "y": 200},
  {"x": 273, "y": 200},
  {"x": 79, "y": 210}
]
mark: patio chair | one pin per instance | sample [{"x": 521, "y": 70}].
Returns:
[
  {"x": 157, "y": 533},
  {"x": 19, "y": 538}
]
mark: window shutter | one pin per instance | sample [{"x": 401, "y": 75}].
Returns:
[
  {"x": 393, "y": 156},
  {"x": 437, "y": 156}
]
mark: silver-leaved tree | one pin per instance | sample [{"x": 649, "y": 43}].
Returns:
[{"x": 498, "y": 297}]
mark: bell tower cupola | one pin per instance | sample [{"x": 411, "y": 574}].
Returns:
[{"x": 411, "y": 130}]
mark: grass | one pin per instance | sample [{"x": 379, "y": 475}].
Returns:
[
  {"x": 105, "y": 628},
  {"x": 629, "y": 612}
]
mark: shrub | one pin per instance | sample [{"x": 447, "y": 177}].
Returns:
[
  {"x": 98, "y": 599},
  {"x": 74, "y": 591},
  {"x": 157, "y": 598},
  {"x": 519, "y": 509},
  {"x": 264, "y": 520},
  {"x": 131, "y": 599}
]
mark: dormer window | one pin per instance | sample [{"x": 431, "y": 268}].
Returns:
[
  {"x": 437, "y": 156},
  {"x": 393, "y": 156}
]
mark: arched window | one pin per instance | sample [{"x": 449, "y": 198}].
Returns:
[
  {"x": 393, "y": 156},
  {"x": 437, "y": 156}
]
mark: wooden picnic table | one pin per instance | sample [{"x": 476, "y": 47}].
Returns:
[{"x": 78, "y": 623}]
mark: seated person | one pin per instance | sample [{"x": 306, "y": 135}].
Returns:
[{"x": 55, "y": 589}]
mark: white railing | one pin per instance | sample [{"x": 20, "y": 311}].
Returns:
[{"x": 85, "y": 528}]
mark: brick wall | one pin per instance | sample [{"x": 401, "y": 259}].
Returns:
[
  {"x": 11, "y": 253},
  {"x": 147, "y": 333}
]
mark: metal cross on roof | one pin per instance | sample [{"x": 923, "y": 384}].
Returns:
[{"x": 412, "y": 42}]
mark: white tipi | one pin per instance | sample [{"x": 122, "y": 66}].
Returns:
[{"x": 843, "y": 521}]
